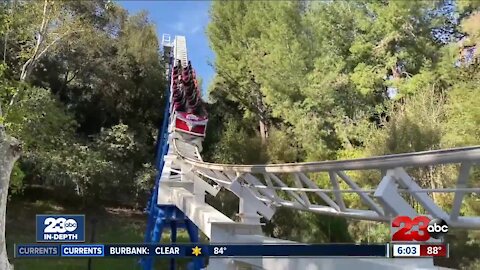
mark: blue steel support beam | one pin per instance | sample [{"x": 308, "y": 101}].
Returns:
[
  {"x": 156, "y": 236},
  {"x": 156, "y": 215},
  {"x": 161, "y": 151}
]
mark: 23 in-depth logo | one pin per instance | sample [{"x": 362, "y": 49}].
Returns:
[
  {"x": 60, "y": 228},
  {"x": 60, "y": 225},
  {"x": 403, "y": 230}
]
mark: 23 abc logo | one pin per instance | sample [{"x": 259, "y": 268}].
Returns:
[
  {"x": 59, "y": 225},
  {"x": 435, "y": 228}
]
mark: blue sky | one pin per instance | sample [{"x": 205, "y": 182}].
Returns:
[{"x": 183, "y": 18}]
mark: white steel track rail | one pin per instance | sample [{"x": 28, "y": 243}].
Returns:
[{"x": 264, "y": 182}]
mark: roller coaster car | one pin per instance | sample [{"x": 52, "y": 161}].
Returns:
[
  {"x": 188, "y": 109},
  {"x": 190, "y": 123}
]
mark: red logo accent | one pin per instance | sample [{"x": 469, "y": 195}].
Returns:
[{"x": 406, "y": 232}]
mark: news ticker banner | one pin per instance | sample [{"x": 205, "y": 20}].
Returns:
[
  {"x": 409, "y": 250},
  {"x": 192, "y": 250},
  {"x": 405, "y": 250}
]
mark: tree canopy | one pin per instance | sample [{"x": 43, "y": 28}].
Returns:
[
  {"x": 83, "y": 83},
  {"x": 346, "y": 79}
]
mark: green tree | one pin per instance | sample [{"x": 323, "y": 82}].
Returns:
[
  {"x": 344, "y": 79},
  {"x": 87, "y": 78}
]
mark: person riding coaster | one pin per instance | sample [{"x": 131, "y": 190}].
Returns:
[
  {"x": 188, "y": 108},
  {"x": 193, "y": 98},
  {"x": 185, "y": 86}
]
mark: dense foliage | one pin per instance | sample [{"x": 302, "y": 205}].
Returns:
[
  {"x": 81, "y": 88},
  {"x": 318, "y": 80}
]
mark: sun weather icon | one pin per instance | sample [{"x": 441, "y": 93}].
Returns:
[{"x": 196, "y": 251}]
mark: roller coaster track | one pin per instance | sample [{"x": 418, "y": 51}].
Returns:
[{"x": 394, "y": 189}]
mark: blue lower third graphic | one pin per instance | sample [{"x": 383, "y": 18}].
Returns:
[
  {"x": 60, "y": 228},
  {"x": 83, "y": 250},
  {"x": 36, "y": 251}
]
